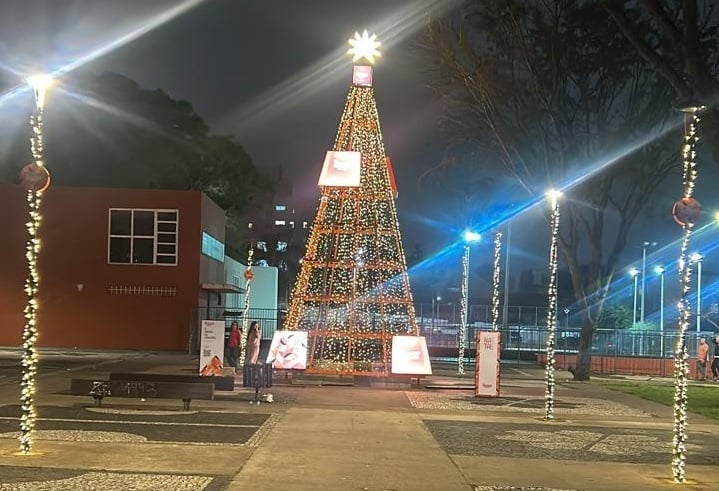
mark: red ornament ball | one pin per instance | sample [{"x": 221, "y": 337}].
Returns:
[
  {"x": 34, "y": 177},
  {"x": 686, "y": 211}
]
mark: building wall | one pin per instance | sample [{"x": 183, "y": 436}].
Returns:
[
  {"x": 263, "y": 294},
  {"x": 84, "y": 301}
]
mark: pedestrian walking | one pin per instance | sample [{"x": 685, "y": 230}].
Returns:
[
  {"x": 253, "y": 343},
  {"x": 702, "y": 359},
  {"x": 233, "y": 345},
  {"x": 715, "y": 362}
]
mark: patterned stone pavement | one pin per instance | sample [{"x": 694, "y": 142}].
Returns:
[
  {"x": 560, "y": 441},
  {"x": 465, "y": 401},
  {"x": 130, "y": 426},
  {"x": 80, "y": 423}
]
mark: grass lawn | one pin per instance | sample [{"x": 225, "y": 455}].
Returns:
[{"x": 701, "y": 400}]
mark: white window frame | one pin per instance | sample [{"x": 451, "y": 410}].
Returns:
[{"x": 154, "y": 237}]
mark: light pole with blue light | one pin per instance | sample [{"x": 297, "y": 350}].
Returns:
[
  {"x": 634, "y": 273},
  {"x": 469, "y": 237}
]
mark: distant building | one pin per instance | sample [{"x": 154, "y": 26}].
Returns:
[{"x": 119, "y": 268}]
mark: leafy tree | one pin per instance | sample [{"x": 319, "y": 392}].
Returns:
[
  {"x": 547, "y": 91},
  {"x": 105, "y": 130}
]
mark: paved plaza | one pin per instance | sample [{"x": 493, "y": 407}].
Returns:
[{"x": 338, "y": 437}]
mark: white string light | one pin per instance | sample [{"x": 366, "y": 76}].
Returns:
[
  {"x": 463, "y": 310},
  {"x": 496, "y": 272},
  {"x": 553, "y": 195},
  {"x": 249, "y": 274},
  {"x": 39, "y": 85},
  {"x": 681, "y": 368}
]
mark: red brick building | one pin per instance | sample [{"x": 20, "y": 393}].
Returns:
[{"x": 119, "y": 268}]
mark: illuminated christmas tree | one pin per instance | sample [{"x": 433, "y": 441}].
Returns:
[{"x": 352, "y": 294}]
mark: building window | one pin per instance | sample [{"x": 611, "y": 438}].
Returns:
[
  {"x": 139, "y": 236},
  {"x": 212, "y": 247}
]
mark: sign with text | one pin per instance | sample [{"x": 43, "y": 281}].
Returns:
[
  {"x": 288, "y": 350},
  {"x": 362, "y": 75},
  {"x": 410, "y": 356},
  {"x": 341, "y": 169},
  {"x": 486, "y": 372},
  {"x": 212, "y": 347}
]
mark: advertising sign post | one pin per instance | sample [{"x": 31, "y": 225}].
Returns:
[
  {"x": 212, "y": 347},
  {"x": 486, "y": 372}
]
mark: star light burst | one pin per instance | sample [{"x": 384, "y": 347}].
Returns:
[{"x": 364, "y": 46}]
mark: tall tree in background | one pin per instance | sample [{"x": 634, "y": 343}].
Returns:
[
  {"x": 679, "y": 41},
  {"x": 546, "y": 90},
  {"x": 105, "y": 130}
]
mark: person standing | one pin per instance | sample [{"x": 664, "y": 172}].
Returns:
[
  {"x": 715, "y": 362},
  {"x": 233, "y": 345},
  {"x": 702, "y": 359},
  {"x": 253, "y": 343}
]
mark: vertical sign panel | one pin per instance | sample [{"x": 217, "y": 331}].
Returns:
[
  {"x": 212, "y": 347},
  {"x": 486, "y": 375}
]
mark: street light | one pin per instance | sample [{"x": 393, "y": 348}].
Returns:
[
  {"x": 697, "y": 258},
  {"x": 470, "y": 237},
  {"x": 35, "y": 178},
  {"x": 566, "y": 318},
  {"x": 634, "y": 273},
  {"x": 553, "y": 196},
  {"x": 645, "y": 246},
  {"x": 660, "y": 271}
]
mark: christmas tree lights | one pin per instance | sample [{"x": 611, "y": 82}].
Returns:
[
  {"x": 681, "y": 369},
  {"x": 496, "y": 273},
  {"x": 352, "y": 293},
  {"x": 39, "y": 85},
  {"x": 553, "y": 196}
]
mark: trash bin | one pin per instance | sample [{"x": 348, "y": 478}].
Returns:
[{"x": 257, "y": 375}]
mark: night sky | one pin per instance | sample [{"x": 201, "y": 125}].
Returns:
[{"x": 275, "y": 74}]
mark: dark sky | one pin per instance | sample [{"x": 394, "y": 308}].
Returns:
[{"x": 273, "y": 73}]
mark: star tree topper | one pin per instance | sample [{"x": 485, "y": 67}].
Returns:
[{"x": 364, "y": 46}]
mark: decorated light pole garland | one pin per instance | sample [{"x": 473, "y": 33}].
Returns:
[
  {"x": 463, "y": 310},
  {"x": 686, "y": 211},
  {"x": 496, "y": 272},
  {"x": 553, "y": 195},
  {"x": 35, "y": 178},
  {"x": 249, "y": 274}
]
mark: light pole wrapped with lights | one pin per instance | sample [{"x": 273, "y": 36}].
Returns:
[
  {"x": 553, "y": 195},
  {"x": 249, "y": 274},
  {"x": 686, "y": 211},
  {"x": 36, "y": 179},
  {"x": 496, "y": 272},
  {"x": 469, "y": 238}
]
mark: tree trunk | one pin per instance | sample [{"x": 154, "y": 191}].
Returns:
[{"x": 584, "y": 358}]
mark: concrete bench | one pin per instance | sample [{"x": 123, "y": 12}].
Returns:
[
  {"x": 98, "y": 389},
  {"x": 219, "y": 382}
]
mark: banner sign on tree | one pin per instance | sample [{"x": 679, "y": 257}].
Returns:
[{"x": 341, "y": 169}]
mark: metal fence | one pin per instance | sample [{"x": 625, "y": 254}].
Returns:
[{"x": 524, "y": 336}]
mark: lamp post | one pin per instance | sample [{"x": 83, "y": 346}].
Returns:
[
  {"x": 435, "y": 318},
  {"x": 645, "y": 246},
  {"x": 634, "y": 273},
  {"x": 697, "y": 258},
  {"x": 36, "y": 179},
  {"x": 566, "y": 318},
  {"x": 553, "y": 196},
  {"x": 660, "y": 271},
  {"x": 469, "y": 238}
]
